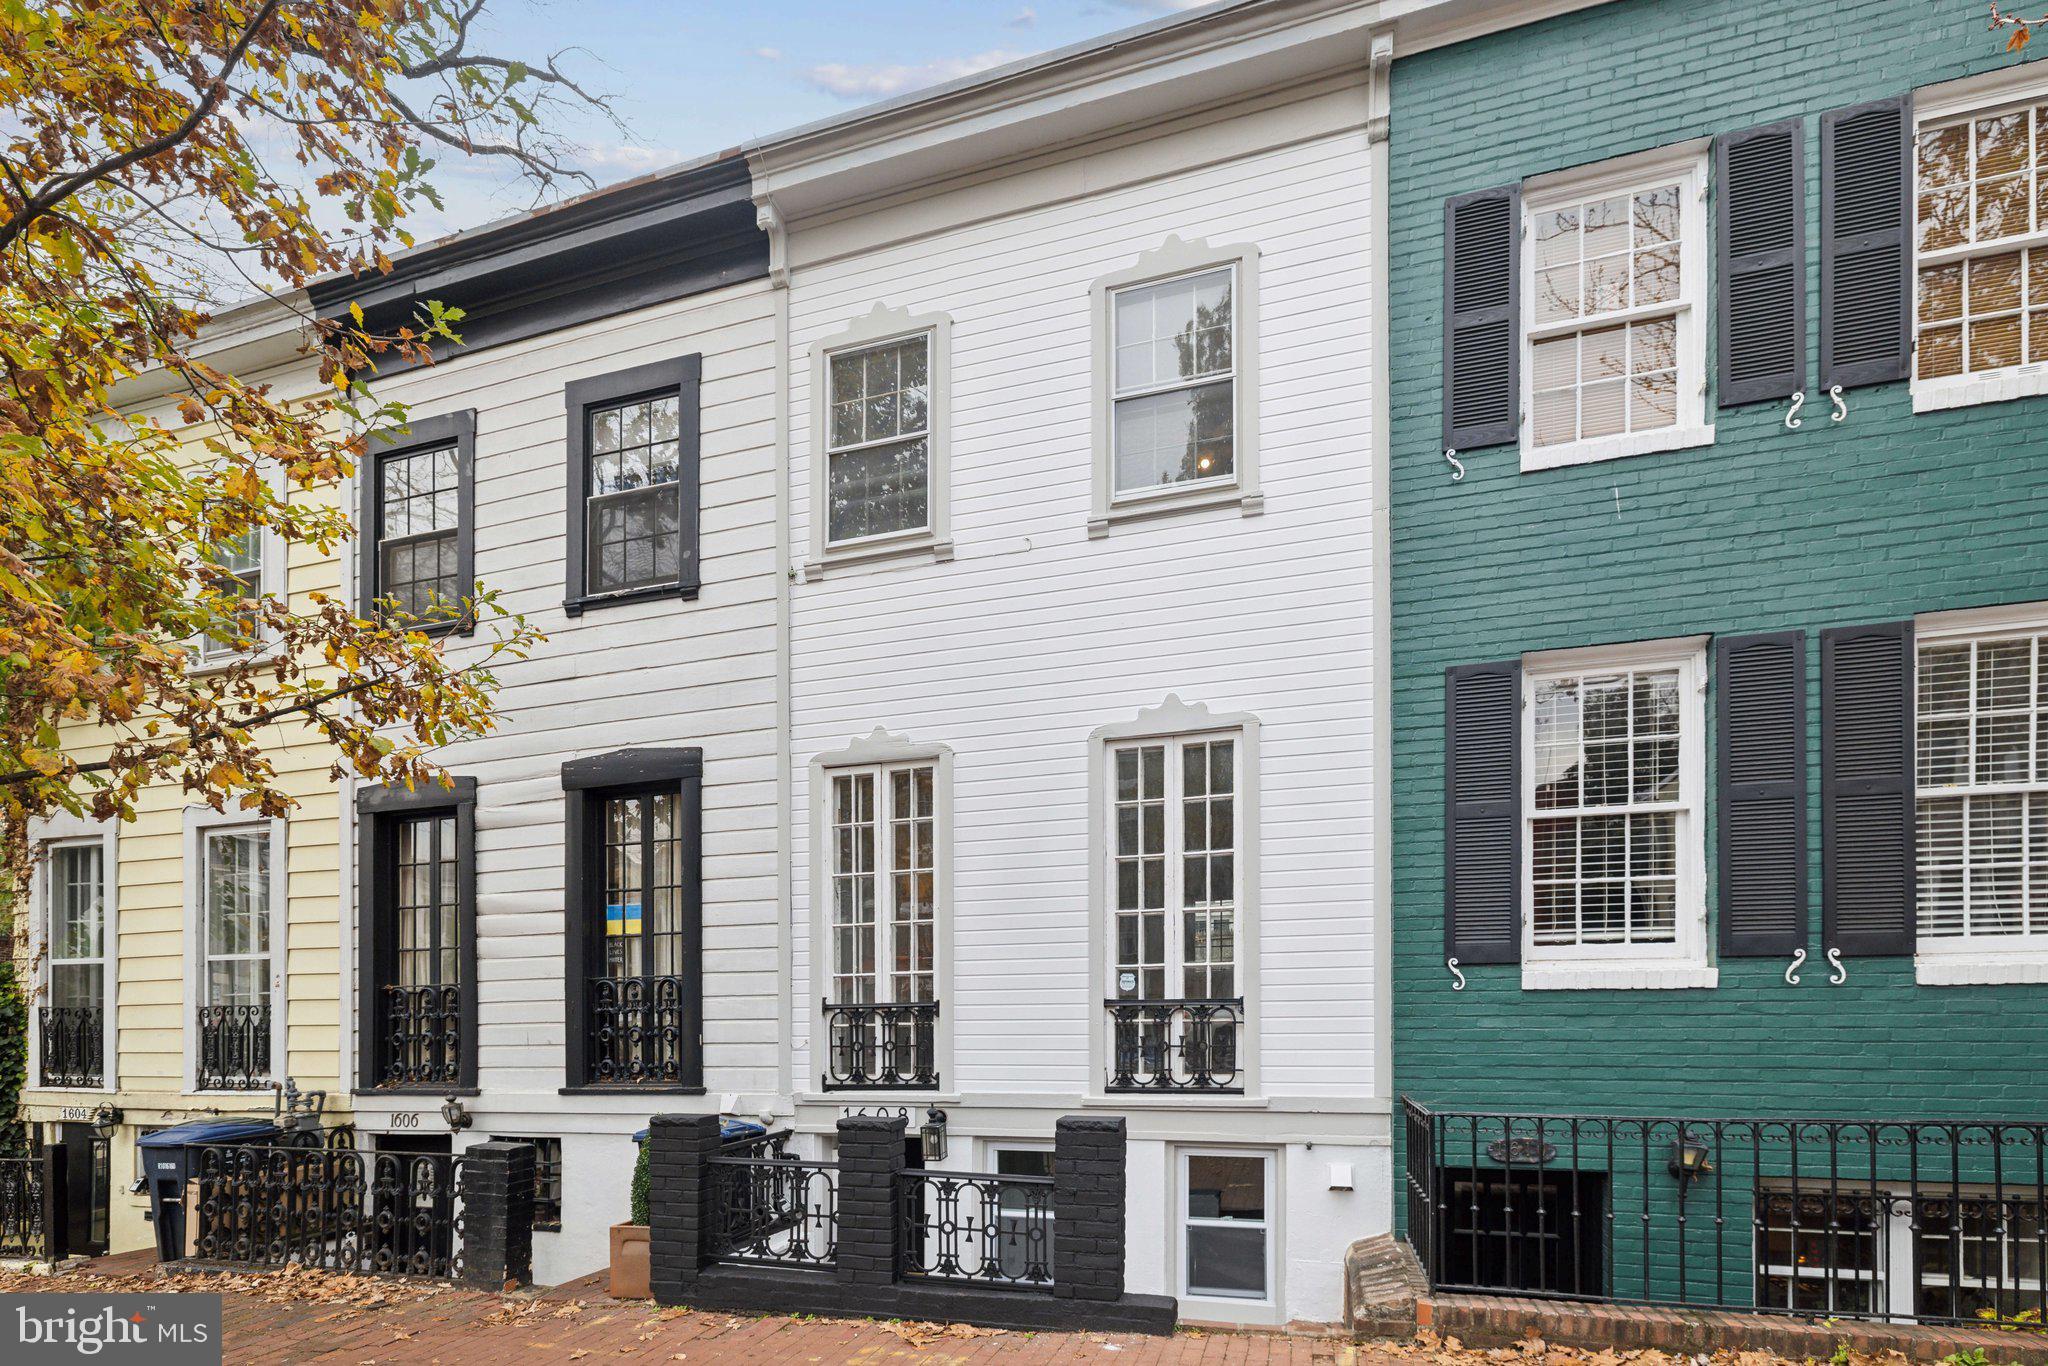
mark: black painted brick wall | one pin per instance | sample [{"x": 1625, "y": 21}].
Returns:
[{"x": 497, "y": 1214}]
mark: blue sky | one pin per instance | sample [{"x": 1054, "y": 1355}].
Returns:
[{"x": 689, "y": 78}]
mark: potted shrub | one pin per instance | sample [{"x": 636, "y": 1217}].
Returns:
[{"x": 629, "y": 1241}]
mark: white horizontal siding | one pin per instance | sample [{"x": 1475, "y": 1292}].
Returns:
[
  {"x": 1033, "y": 635},
  {"x": 667, "y": 673}
]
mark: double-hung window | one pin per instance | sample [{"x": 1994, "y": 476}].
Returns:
[
  {"x": 1981, "y": 242},
  {"x": 633, "y": 484},
  {"x": 1612, "y": 801},
  {"x": 1176, "y": 1002},
  {"x": 1613, "y": 275},
  {"x": 240, "y": 586},
  {"x": 885, "y": 904},
  {"x": 1981, "y": 720},
  {"x": 71, "y": 1024},
  {"x": 237, "y": 974},
  {"x": 1226, "y": 1225},
  {"x": 418, "y": 514},
  {"x": 878, "y": 450},
  {"x": 1173, "y": 393}
]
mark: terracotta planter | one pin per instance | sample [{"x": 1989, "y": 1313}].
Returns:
[{"x": 629, "y": 1262}]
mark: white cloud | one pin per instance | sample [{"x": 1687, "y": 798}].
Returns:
[
  {"x": 1024, "y": 18},
  {"x": 625, "y": 158},
  {"x": 768, "y": 54},
  {"x": 880, "y": 80}
]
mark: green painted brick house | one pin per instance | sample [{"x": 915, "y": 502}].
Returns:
[{"x": 1721, "y": 727}]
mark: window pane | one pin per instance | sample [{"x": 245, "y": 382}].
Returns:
[
  {"x": 1175, "y": 437},
  {"x": 878, "y": 490},
  {"x": 1229, "y": 1262},
  {"x": 636, "y": 539},
  {"x": 1174, "y": 330},
  {"x": 880, "y": 393},
  {"x": 1227, "y": 1187}
]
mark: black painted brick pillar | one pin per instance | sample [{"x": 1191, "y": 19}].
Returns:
[
  {"x": 870, "y": 1160},
  {"x": 1088, "y": 1208},
  {"x": 680, "y": 1149},
  {"x": 497, "y": 1214},
  {"x": 56, "y": 1211}
]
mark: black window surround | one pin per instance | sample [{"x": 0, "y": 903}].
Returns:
[
  {"x": 586, "y": 784},
  {"x": 421, "y": 434},
  {"x": 379, "y": 811},
  {"x": 681, "y": 377}
]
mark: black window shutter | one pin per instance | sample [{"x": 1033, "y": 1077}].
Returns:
[
  {"x": 1482, "y": 274},
  {"x": 1760, "y": 713},
  {"x": 1866, "y": 784},
  {"x": 1760, "y": 245},
  {"x": 1866, "y": 258},
  {"x": 1482, "y": 816}
]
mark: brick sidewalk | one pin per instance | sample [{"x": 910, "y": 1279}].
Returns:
[{"x": 363, "y": 1322}]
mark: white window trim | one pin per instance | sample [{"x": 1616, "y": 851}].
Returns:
[
  {"x": 50, "y": 832},
  {"x": 879, "y": 326},
  {"x": 272, "y": 557},
  {"x": 1172, "y": 260},
  {"x": 1952, "y": 102},
  {"x": 1172, "y": 719},
  {"x": 1687, "y": 163},
  {"x": 879, "y": 749},
  {"x": 199, "y": 823},
  {"x": 2011, "y": 960},
  {"x": 1228, "y": 1307},
  {"x": 1627, "y": 967}
]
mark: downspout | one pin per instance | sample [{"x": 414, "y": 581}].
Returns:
[
  {"x": 1379, "y": 104},
  {"x": 771, "y": 222}
]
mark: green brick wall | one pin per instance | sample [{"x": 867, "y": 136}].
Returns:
[{"x": 1873, "y": 519}]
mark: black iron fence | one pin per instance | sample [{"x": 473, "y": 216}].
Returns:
[
  {"x": 72, "y": 1045},
  {"x": 977, "y": 1228},
  {"x": 386, "y": 1213},
  {"x": 421, "y": 1032},
  {"x": 22, "y": 1207},
  {"x": 1939, "y": 1221},
  {"x": 877, "y": 1047},
  {"x": 768, "y": 1208},
  {"x": 1175, "y": 1045},
  {"x": 234, "y": 1048},
  {"x": 640, "y": 1028}
]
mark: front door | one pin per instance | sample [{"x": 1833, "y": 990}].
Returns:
[{"x": 88, "y": 1172}]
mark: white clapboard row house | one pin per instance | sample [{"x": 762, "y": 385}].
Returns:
[{"x": 959, "y": 532}]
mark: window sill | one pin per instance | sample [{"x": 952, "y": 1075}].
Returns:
[
  {"x": 1964, "y": 391},
  {"x": 413, "y": 1092},
  {"x": 859, "y": 557},
  {"x": 618, "y": 1088},
  {"x": 1536, "y": 458},
  {"x": 1639, "y": 976},
  {"x": 1178, "y": 1100},
  {"x": 576, "y": 607},
  {"x": 1248, "y": 502},
  {"x": 1981, "y": 969}
]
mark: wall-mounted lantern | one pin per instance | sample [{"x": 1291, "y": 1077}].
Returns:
[
  {"x": 457, "y": 1117},
  {"x": 932, "y": 1135}
]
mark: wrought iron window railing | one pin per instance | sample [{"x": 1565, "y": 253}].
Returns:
[
  {"x": 1176, "y": 1046},
  {"x": 21, "y": 1207},
  {"x": 770, "y": 1209},
  {"x": 1938, "y": 1221},
  {"x": 421, "y": 1034},
  {"x": 234, "y": 1048},
  {"x": 977, "y": 1228},
  {"x": 72, "y": 1044},
  {"x": 392, "y": 1214},
  {"x": 640, "y": 1030},
  {"x": 881, "y": 1047}
]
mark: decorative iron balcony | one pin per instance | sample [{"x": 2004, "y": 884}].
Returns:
[
  {"x": 881, "y": 1047},
  {"x": 1928, "y": 1221},
  {"x": 640, "y": 1031},
  {"x": 234, "y": 1048},
  {"x": 1176, "y": 1046},
  {"x": 422, "y": 1036},
  {"x": 73, "y": 1045}
]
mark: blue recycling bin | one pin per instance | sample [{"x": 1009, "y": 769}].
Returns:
[{"x": 169, "y": 1164}]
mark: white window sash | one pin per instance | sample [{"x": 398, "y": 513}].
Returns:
[
  {"x": 1176, "y": 908},
  {"x": 1118, "y": 395},
  {"x": 265, "y": 880},
  {"x": 99, "y": 914},
  {"x": 882, "y": 878},
  {"x": 1265, "y": 1226}
]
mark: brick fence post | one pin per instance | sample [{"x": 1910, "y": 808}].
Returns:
[
  {"x": 56, "y": 1211},
  {"x": 1088, "y": 1208},
  {"x": 680, "y": 1149},
  {"x": 870, "y": 1160},
  {"x": 497, "y": 1214}
]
